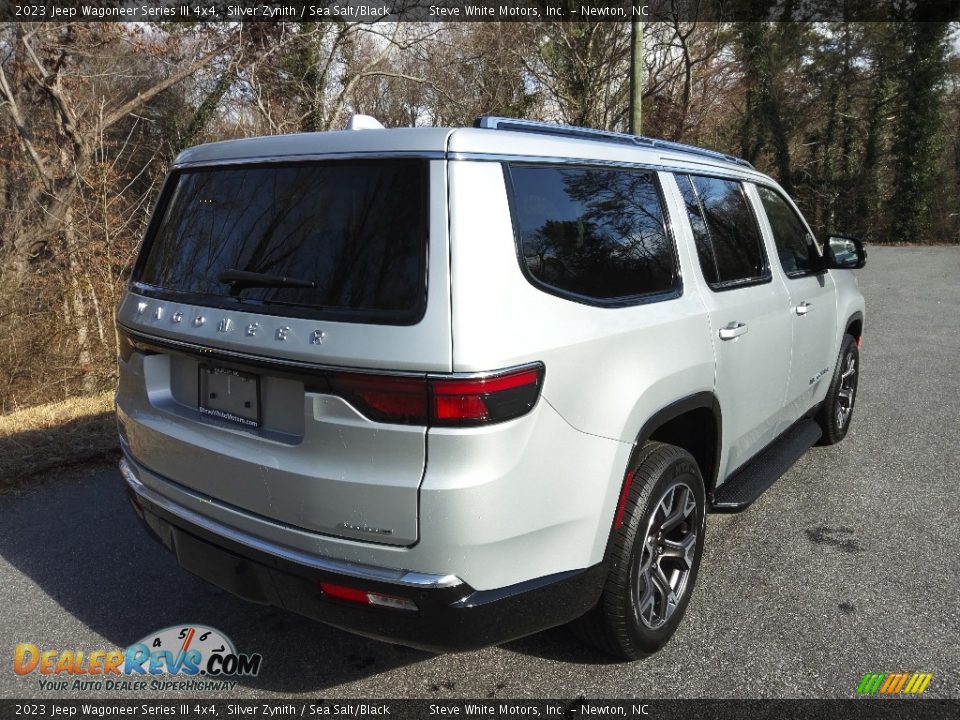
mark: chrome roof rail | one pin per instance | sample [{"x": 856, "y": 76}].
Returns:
[{"x": 492, "y": 122}]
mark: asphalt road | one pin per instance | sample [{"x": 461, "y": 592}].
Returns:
[{"x": 849, "y": 564}]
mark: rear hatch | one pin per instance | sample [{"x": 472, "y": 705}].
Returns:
[{"x": 273, "y": 310}]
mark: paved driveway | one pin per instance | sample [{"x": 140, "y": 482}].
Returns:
[{"x": 849, "y": 564}]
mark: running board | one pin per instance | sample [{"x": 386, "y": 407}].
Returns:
[{"x": 753, "y": 479}]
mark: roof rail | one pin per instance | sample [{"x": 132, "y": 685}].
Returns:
[{"x": 492, "y": 122}]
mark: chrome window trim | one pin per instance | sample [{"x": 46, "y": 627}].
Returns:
[{"x": 342, "y": 567}]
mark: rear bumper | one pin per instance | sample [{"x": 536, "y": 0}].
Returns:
[{"x": 450, "y": 615}]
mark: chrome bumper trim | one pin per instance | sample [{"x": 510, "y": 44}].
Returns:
[{"x": 342, "y": 567}]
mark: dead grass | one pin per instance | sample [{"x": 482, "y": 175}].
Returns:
[{"x": 39, "y": 438}]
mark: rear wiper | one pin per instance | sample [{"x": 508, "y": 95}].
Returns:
[{"x": 240, "y": 279}]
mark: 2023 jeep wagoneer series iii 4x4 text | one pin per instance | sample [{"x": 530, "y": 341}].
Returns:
[{"x": 448, "y": 387}]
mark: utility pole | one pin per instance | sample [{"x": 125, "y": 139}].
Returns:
[{"x": 636, "y": 76}]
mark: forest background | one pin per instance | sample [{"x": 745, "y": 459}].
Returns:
[{"x": 859, "y": 121}]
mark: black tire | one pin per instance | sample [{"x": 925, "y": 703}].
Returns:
[
  {"x": 836, "y": 413},
  {"x": 615, "y": 624}
]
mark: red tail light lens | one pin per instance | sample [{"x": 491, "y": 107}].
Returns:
[
  {"x": 477, "y": 401},
  {"x": 384, "y": 398},
  {"x": 341, "y": 592},
  {"x": 436, "y": 400}
]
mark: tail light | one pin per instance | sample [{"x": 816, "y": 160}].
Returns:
[
  {"x": 383, "y": 397},
  {"x": 436, "y": 400}
]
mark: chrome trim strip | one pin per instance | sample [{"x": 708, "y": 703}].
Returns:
[
  {"x": 300, "y": 365},
  {"x": 312, "y": 157},
  {"x": 342, "y": 567},
  {"x": 251, "y": 357}
]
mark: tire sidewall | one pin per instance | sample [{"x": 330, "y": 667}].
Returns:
[
  {"x": 832, "y": 430},
  {"x": 680, "y": 467}
]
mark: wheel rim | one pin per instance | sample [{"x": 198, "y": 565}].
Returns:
[
  {"x": 665, "y": 561},
  {"x": 848, "y": 390}
]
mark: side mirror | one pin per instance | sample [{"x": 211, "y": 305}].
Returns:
[{"x": 844, "y": 253}]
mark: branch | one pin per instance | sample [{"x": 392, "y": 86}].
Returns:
[
  {"x": 144, "y": 97},
  {"x": 348, "y": 88},
  {"x": 23, "y": 131},
  {"x": 51, "y": 85},
  {"x": 399, "y": 76}
]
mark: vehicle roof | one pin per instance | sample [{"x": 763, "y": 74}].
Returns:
[{"x": 450, "y": 142}]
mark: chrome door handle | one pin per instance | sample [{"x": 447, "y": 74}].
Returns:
[
  {"x": 803, "y": 308},
  {"x": 733, "y": 330}
]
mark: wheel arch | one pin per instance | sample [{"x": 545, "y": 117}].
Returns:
[
  {"x": 694, "y": 423},
  {"x": 682, "y": 423},
  {"x": 854, "y": 325}
]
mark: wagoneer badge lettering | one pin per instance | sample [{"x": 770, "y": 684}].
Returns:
[
  {"x": 282, "y": 333},
  {"x": 199, "y": 320},
  {"x": 223, "y": 325},
  {"x": 317, "y": 337},
  {"x": 252, "y": 329},
  {"x": 176, "y": 317},
  {"x": 158, "y": 313},
  {"x": 141, "y": 308}
]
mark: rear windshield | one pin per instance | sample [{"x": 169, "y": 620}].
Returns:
[{"x": 352, "y": 234}]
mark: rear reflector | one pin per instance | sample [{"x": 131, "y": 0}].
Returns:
[
  {"x": 453, "y": 401},
  {"x": 624, "y": 496},
  {"x": 362, "y": 597}
]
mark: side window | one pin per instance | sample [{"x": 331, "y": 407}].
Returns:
[
  {"x": 595, "y": 233},
  {"x": 793, "y": 241},
  {"x": 701, "y": 235},
  {"x": 725, "y": 230}
]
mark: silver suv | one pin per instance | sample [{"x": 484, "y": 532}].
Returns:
[{"x": 448, "y": 387}]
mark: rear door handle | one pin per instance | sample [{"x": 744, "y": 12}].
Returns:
[
  {"x": 733, "y": 330},
  {"x": 803, "y": 308}
]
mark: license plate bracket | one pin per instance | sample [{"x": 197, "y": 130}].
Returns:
[{"x": 229, "y": 395}]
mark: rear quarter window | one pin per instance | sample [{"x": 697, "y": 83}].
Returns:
[
  {"x": 594, "y": 235},
  {"x": 354, "y": 231}
]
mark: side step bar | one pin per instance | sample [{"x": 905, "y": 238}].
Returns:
[{"x": 753, "y": 479}]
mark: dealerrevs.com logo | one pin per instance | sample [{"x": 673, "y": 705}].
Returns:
[{"x": 181, "y": 657}]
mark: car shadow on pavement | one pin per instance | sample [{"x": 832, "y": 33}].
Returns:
[
  {"x": 82, "y": 545},
  {"x": 560, "y": 645}
]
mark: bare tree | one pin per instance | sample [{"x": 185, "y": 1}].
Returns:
[{"x": 62, "y": 90}]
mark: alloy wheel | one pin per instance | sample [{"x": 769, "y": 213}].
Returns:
[
  {"x": 847, "y": 391},
  {"x": 666, "y": 557}
]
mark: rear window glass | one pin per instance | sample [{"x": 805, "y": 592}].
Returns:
[
  {"x": 594, "y": 233},
  {"x": 351, "y": 235}
]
